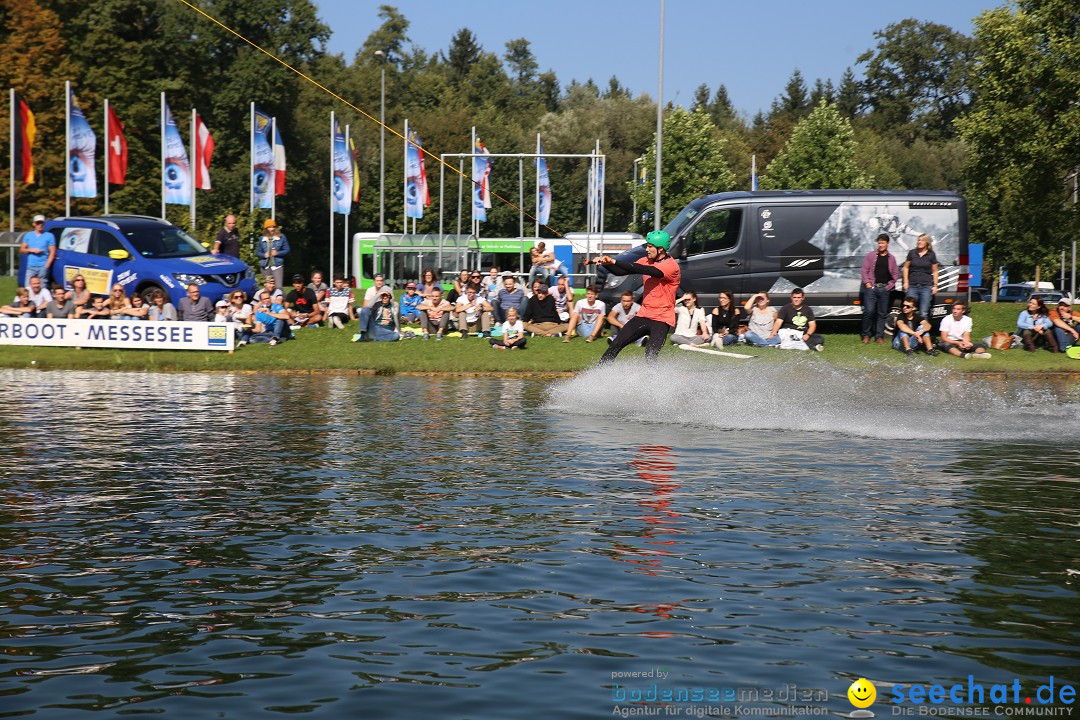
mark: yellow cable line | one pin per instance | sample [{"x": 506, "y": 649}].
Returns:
[{"x": 369, "y": 117}]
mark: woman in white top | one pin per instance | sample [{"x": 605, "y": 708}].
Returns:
[
  {"x": 690, "y": 325},
  {"x": 762, "y": 320}
]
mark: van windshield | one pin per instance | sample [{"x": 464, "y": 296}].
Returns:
[
  {"x": 170, "y": 242},
  {"x": 688, "y": 213}
]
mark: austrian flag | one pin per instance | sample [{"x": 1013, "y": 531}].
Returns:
[{"x": 204, "y": 149}]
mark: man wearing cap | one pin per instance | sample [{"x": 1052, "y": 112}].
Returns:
[
  {"x": 272, "y": 249},
  {"x": 39, "y": 247},
  {"x": 227, "y": 241},
  {"x": 1065, "y": 325},
  {"x": 379, "y": 323},
  {"x": 410, "y": 304},
  {"x": 656, "y": 318},
  {"x": 303, "y": 304}
]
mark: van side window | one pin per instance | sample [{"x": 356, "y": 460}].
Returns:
[
  {"x": 717, "y": 230},
  {"x": 102, "y": 242}
]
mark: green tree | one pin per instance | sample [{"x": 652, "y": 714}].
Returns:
[
  {"x": 1023, "y": 136},
  {"x": 849, "y": 97},
  {"x": 919, "y": 75},
  {"x": 464, "y": 52},
  {"x": 820, "y": 155},
  {"x": 522, "y": 62},
  {"x": 692, "y": 164}
]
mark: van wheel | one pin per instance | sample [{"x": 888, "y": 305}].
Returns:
[{"x": 149, "y": 290}]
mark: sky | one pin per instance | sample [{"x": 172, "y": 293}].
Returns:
[{"x": 750, "y": 47}]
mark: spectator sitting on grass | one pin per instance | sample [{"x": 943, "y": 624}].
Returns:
[
  {"x": 492, "y": 284},
  {"x": 473, "y": 312},
  {"x": 118, "y": 302},
  {"x": 760, "y": 326},
  {"x": 1065, "y": 325},
  {"x": 798, "y": 320},
  {"x": 727, "y": 320},
  {"x": 429, "y": 280},
  {"x": 96, "y": 310},
  {"x": 379, "y": 323},
  {"x": 21, "y": 306},
  {"x": 588, "y": 317},
  {"x": 272, "y": 321},
  {"x": 160, "y": 307},
  {"x": 318, "y": 286},
  {"x": 564, "y": 298},
  {"x": 1035, "y": 328},
  {"x": 135, "y": 310},
  {"x": 690, "y": 325},
  {"x": 59, "y": 307},
  {"x": 194, "y": 307},
  {"x": 529, "y": 292},
  {"x": 622, "y": 312},
  {"x": 339, "y": 303},
  {"x": 956, "y": 335},
  {"x": 541, "y": 317},
  {"x": 303, "y": 303},
  {"x": 39, "y": 295},
  {"x": 435, "y": 314},
  {"x": 270, "y": 285},
  {"x": 508, "y": 296},
  {"x": 513, "y": 337},
  {"x": 410, "y": 303},
  {"x": 371, "y": 296},
  {"x": 912, "y": 328}
]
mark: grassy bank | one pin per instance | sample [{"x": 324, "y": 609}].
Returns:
[{"x": 325, "y": 349}]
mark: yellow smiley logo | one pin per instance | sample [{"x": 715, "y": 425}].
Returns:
[{"x": 862, "y": 693}]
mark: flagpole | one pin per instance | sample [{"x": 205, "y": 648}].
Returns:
[
  {"x": 345, "y": 243},
  {"x": 194, "y": 166},
  {"x": 67, "y": 148},
  {"x": 472, "y": 174},
  {"x": 405, "y": 184},
  {"x": 332, "y": 196},
  {"x": 107, "y": 157},
  {"x": 537, "y": 233},
  {"x": 11, "y": 210},
  {"x": 251, "y": 162},
  {"x": 162, "y": 178},
  {"x": 273, "y": 176}
]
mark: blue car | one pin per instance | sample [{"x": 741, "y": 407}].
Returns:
[{"x": 143, "y": 254}]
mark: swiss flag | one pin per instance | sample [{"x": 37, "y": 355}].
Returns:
[
  {"x": 204, "y": 149},
  {"x": 117, "y": 149}
]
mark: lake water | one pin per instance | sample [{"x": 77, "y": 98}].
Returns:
[{"x": 241, "y": 546}]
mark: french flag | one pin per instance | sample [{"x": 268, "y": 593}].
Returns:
[
  {"x": 204, "y": 150},
  {"x": 279, "y": 163}
]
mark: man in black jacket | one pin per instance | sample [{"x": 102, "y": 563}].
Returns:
[{"x": 541, "y": 317}]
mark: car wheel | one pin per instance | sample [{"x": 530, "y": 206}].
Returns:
[{"x": 149, "y": 290}]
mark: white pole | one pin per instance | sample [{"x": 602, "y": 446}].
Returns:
[
  {"x": 472, "y": 174},
  {"x": 108, "y": 149},
  {"x": 194, "y": 165},
  {"x": 536, "y": 162},
  {"x": 67, "y": 149},
  {"x": 345, "y": 240},
  {"x": 405, "y": 185},
  {"x": 11, "y": 201},
  {"x": 331, "y": 193},
  {"x": 633, "y": 195},
  {"x": 659, "y": 123},
  {"x": 382, "y": 140},
  {"x": 273, "y": 174},
  {"x": 521, "y": 197},
  {"x": 161, "y": 179},
  {"x": 251, "y": 162}
]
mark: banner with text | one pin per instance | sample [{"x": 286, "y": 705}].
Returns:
[{"x": 129, "y": 334}]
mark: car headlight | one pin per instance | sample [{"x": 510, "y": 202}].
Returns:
[
  {"x": 614, "y": 281},
  {"x": 189, "y": 279}
]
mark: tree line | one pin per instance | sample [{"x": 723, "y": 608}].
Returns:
[{"x": 994, "y": 116}]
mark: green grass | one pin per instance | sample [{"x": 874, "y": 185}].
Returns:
[{"x": 326, "y": 349}]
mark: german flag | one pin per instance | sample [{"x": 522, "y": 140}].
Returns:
[{"x": 25, "y": 132}]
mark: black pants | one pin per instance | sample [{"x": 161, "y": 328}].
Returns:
[{"x": 635, "y": 329}]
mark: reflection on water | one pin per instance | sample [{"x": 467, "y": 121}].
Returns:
[{"x": 237, "y": 546}]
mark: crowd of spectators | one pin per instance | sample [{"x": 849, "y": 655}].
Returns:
[{"x": 495, "y": 306}]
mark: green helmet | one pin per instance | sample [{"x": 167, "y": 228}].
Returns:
[{"x": 659, "y": 238}]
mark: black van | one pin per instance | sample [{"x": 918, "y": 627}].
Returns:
[{"x": 778, "y": 240}]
